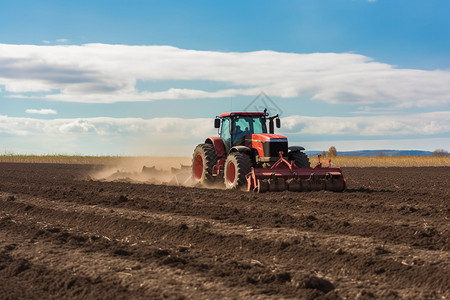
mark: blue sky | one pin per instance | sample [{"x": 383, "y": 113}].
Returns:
[{"x": 356, "y": 74}]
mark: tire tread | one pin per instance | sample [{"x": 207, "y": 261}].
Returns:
[{"x": 300, "y": 159}]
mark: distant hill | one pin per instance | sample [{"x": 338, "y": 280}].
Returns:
[{"x": 373, "y": 153}]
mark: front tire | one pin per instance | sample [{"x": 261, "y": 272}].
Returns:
[
  {"x": 237, "y": 166},
  {"x": 300, "y": 159},
  {"x": 203, "y": 161}
]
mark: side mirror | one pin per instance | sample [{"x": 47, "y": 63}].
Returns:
[
  {"x": 278, "y": 122},
  {"x": 216, "y": 123}
]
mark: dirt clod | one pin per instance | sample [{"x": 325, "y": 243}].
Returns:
[
  {"x": 122, "y": 198},
  {"x": 317, "y": 283},
  {"x": 18, "y": 266}
]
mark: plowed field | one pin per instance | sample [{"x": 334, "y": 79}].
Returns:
[{"x": 63, "y": 235}]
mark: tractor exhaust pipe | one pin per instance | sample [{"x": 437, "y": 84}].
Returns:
[
  {"x": 271, "y": 127},
  {"x": 271, "y": 124}
]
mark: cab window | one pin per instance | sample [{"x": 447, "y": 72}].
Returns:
[
  {"x": 225, "y": 133},
  {"x": 247, "y": 125}
]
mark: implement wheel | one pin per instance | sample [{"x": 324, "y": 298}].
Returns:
[
  {"x": 236, "y": 167},
  {"x": 300, "y": 159},
  {"x": 203, "y": 161}
]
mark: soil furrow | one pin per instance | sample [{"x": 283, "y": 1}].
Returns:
[
  {"x": 99, "y": 274},
  {"x": 362, "y": 252},
  {"x": 290, "y": 210},
  {"x": 83, "y": 214},
  {"x": 386, "y": 237}
]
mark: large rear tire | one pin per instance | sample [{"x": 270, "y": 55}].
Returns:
[
  {"x": 237, "y": 166},
  {"x": 203, "y": 161},
  {"x": 300, "y": 159}
]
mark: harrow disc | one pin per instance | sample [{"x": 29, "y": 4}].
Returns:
[
  {"x": 294, "y": 185},
  {"x": 335, "y": 184},
  {"x": 277, "y": 184},
  {"x": 262, "y": 186}
]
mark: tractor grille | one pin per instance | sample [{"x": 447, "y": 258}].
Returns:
[{"x": 272, "y": 149}]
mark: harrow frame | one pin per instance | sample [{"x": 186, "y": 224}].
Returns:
[{"x": 285, "y": 175}]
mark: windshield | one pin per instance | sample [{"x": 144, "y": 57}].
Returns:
[{"x": 244, "y": 125}]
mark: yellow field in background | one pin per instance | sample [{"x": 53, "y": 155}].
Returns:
[
  {"x": 384, "y": 161},
  {"x": 164, "y": 162},
  {"x": 137, "y": 161}
]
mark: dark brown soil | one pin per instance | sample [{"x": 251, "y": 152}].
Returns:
[{"x": 65, "y": 236}]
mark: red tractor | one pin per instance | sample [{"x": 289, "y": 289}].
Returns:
[{"x": 247, "y": 154}]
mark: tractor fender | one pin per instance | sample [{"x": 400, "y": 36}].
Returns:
[
  {"x": 295, "y": 148},
  {"x": 218, "y": 145},
  {"x": 241, "y": 149}
]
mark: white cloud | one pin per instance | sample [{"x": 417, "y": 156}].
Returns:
[
  {"x": 388, "y": 125},
  {"x": 100, "y": 73},
  {"x": 368, "y": 126},
  {"x": 177, "y": 136},
  {"x": 103, "y": 126},
  {"x": 57, "y": 41},
  {"x": 43, "y": 111},
  {"x": 121, "y": 136}
]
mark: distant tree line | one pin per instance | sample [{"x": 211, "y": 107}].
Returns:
[
  {"x": 332, "y": 152},
  {"x": 440, "y": 153}
]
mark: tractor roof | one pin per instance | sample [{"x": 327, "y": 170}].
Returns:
[{"x": 231, "y": 114}]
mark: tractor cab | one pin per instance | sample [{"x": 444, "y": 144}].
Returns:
[{"x": 235, "y": 126}]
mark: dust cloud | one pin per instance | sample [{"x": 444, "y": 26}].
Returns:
[{"x": 154, "y": 170}]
